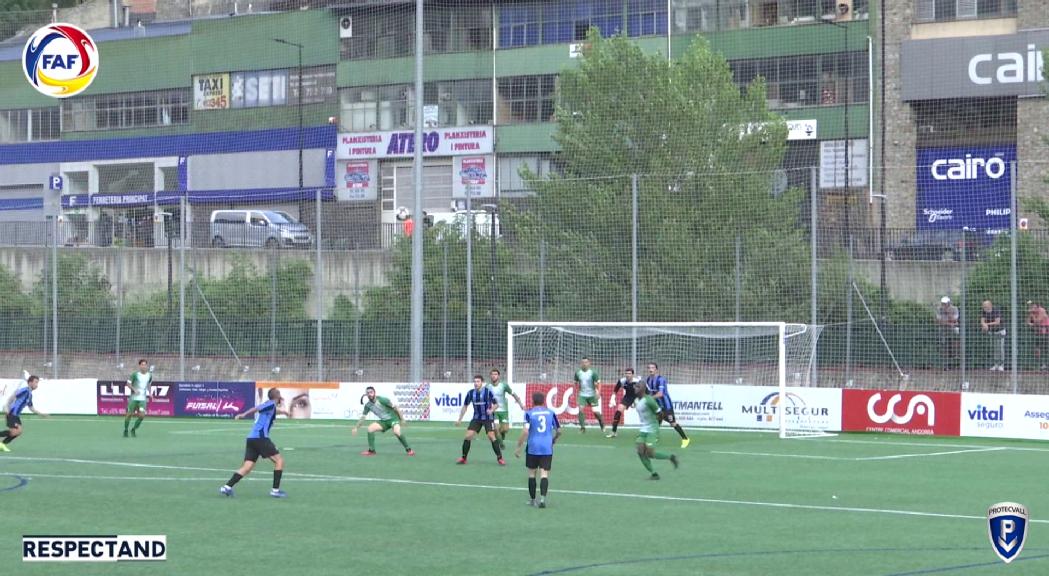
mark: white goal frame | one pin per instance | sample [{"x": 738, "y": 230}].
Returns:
[{"x": 780, "y": 327}]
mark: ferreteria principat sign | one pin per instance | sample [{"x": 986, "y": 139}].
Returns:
[{"x": 974, "y": 67}]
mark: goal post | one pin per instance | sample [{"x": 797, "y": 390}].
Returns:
[{"x": 704, "y": 362}]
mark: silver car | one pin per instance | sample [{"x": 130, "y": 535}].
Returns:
[{"x": 258, "y": 228}]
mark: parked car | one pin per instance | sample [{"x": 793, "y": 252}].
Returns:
[
  {"x": 258, "y": 228},
  {"x": 936, "y": 245}
]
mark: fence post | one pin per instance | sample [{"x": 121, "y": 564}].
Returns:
[
  {"x": 962, "y": 361},
  {"x": 319, "y": 278},
  {"x": 182, "y": 238},
  {"x": 469, "y": 285},
  {"x": 739, "y": 300},
  {"x": 848, "y": 318},
  {"x": 1013, "y": 285},
  {"x": 54, "y": 297},
  {"x": 813, "y": 256},
  {"x": 634, "y": 288}
]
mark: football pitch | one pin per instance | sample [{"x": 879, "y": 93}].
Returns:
[{"x": 741, "y": 503}]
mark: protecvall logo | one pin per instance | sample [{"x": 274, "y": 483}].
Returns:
[
  {"x": 919, "y": 404},
  {"x": 968, "y": 168}
]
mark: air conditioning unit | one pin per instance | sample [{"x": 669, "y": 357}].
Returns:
[{"x": 346, "y": 27}]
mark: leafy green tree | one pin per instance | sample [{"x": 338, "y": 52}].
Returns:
[
  {"x": 15, "y": 301},
  {"x": 83, "y": 289},
  {"x": 705, "y": 152}
]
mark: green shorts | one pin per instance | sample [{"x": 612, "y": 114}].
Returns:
[
  {"x": 133, "y": 405},
  {"x": 647, "y": 438},
  {"x": 387, "y": 424},
  {"x": 503, "y": 416},
  {"x": 588, "y": 401}
]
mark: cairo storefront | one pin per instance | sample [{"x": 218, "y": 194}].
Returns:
[{"x": 976, "y": 103}]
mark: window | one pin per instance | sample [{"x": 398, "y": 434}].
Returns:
[
  {"x": 646, "y": 18},
  {"x": 807, "y": 80},
  {"x": 510, "y": 181},
  {"x": 459, "y": 103},
  {"x": 130, "y": 110},
  {"x": 564, "y": 21},
  {"x": 525, "y": 99},
  {"x": 967, "y": 121},
  {"x": 948, "y": 10},
  {"x": 30, "y": 125},
  {"x": 389, "y": 31}
]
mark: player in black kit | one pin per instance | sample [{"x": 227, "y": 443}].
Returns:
[{"x": 626, "y": 383}]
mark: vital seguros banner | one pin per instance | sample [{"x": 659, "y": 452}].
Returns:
[{"x": 964, "y": 187}]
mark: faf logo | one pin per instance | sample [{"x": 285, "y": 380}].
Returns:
[
  {"x": 1007, "y": 527},
  {"x": 60, "y": 60}
]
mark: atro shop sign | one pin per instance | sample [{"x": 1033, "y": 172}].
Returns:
[
  {"x": 964, "y": 188},
  {"x": 401, "y": 144}
]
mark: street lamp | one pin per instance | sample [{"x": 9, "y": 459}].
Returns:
[
  {"x": 318, "y": 271},
  {"x": 848, "y": 156},
  {"x": 298, "y": 100}
]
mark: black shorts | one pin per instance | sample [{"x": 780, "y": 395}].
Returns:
[
  {"x": 668, "y": 416},
  {"x": 628, "y": 400},
  {"x": 533, "y": 461},
  {"x": 259, "y": 447},
  {"x": 13, "y": 421},
  {"x": 476, "y": 425}
]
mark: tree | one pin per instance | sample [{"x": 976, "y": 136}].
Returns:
[
  {"x": 83, "y": 289},
  {"x": 15, "y": 302},
  {"x": 705, "y": 152}
]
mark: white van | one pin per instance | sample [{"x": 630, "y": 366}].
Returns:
[{"x": 258, "y": 228}]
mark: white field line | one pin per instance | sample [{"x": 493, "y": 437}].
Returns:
[
  {"x": 930, "y": 444},
  {"x": 781, "y": 455},
  {"x": 926, "y": 454},
  {"x": 858, "y": 459},
  {"x": 332, "y": 478}
]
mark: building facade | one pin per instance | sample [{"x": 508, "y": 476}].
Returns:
[
  {"x": 216, "y": 116},
  {"x": 965, "y": 111}
]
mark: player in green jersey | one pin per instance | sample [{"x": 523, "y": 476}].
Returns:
[
  {"x": 587, "y": 384},
  {"x": 648, "y": 411},
  {"x": 390, "y": 418},
  {"x": 500, "y": 389},
  {"x": 137, "y": 404}
]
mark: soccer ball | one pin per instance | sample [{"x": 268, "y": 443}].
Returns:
[{"x": 403, "y": 214}]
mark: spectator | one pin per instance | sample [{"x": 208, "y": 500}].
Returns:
[
  {"x": 947, "y": 320},
  {"x": 991, "y": 325},
  {"x": 1038, "y": 320}
]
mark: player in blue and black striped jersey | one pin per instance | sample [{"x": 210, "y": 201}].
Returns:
[
  {"x": 259, "y": 444},
  {"x": 485, "y": 405},
  {"x": 656, "y": 384},
  {"x": 20, "y": 400},
  {"x": 541, "y": 431}
]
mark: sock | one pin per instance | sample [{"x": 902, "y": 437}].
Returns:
[
  {"x": 581, "y": 418},
  {"x": 616, "y": 418},
  {"x": 404, "y": 442},
  {"x": 138, "y": 423},
  {"x": 236, "y": 478},
  {"x": 126, "y": 422},
  {"x": 600, "y": 422},
  {"x": 4, "y": 434},
  {"x": 661, "y": 456},
  {"x": 543, "y": 485},
  {"x": 646, "y": 462},
  {"x": 495, "y": 447},
  {"x": 276, "y": 478},
  {"x": 502, "y": 436},
  {"x": 466, "y": 448},
  {"x": 9, "y": 439},
  {"x": 531, "y": 488},
  {"x": 680, "y": 431},
  {"x": 371, "y": 441}
]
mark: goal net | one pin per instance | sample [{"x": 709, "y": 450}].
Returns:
[{"x": 726, "y": 375}]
